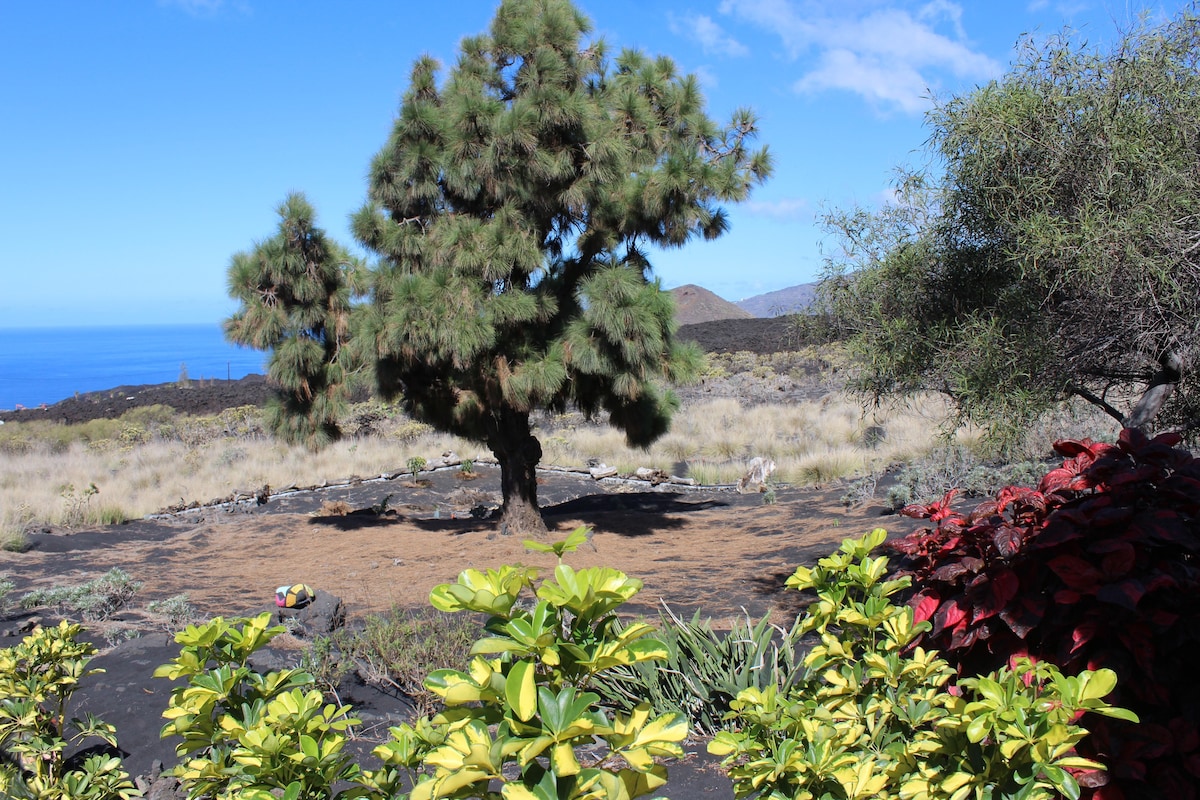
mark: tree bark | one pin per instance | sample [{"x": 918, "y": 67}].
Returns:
[
  {"x": 519, "y": 453},
  {"x": 1161, "y": 387}
]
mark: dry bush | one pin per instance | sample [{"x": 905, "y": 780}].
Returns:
[
  {"x": 334, "y": 508},
  {"x": 710, "y": 473},
  {"x": 97, "y": 599}
]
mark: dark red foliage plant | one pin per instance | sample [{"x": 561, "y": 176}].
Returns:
[{"x": 1096, "y": 567}]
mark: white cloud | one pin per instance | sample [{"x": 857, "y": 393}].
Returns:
[
  {"x": 796, "y": 31},
  {"x": 893, "y": 56},
  {"x": 787, "y": 209},
  {"x": 1066, "y": 8},
  {"x": 708, "y": 79},
  {"x": 898, "y": 86},
  {"x": 951, "y": 12},
  {"x": 701, "y": 29},
  {"x": 203, "y": 8},
  {"x": 890, "y": 196},
  {"x": 893, "y": 34}
]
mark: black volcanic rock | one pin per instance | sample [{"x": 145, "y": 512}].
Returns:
[{"x": 756, "y": 335}]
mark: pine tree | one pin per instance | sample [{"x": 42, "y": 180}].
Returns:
[
  {"x": 295, "y": 291},
  {"x": 512, "y": 210}
]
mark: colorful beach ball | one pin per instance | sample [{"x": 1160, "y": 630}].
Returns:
[{"x": 298, "y": 595}]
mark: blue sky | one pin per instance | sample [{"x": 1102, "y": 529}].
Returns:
[{"x": 143, "y": 143}]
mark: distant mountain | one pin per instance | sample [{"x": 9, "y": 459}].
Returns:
[
  {"x": 784, "y": 301},
  {"x": 695, "y": 304}
]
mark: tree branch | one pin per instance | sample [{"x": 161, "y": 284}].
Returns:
[{"x": 1095, "y": 399}]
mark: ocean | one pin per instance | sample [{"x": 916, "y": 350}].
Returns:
[{"x": 45, "y": 365}]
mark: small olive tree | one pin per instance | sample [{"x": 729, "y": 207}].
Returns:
[{"x": 1059, "y": 254}]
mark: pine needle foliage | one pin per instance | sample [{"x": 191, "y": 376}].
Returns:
[
  {"x": 513, "y": 209},
  {"x": 295, "y": 291}
]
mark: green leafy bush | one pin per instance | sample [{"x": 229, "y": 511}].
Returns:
[
  {"x": 958, "y": 468},
  {"x": 415, "y": 465},
  {"x": 522, "y": 711},
  {"x": 38, "y": 678},
  {"x": 249, "y": 735},
  {"x": 871, "y": 716}
]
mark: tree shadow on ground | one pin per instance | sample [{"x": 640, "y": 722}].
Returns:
[
  {"x": 646, "y": 502},
  {"x": 609, "y": 512},
  {"x": 660, "y": 508},
  {"x": 366, "y": 518}
]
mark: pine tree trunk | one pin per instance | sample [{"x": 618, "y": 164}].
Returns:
[{"x": 518, "y": 452}]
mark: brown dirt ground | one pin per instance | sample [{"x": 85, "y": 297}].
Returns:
[{"x": 715, "y": 551}]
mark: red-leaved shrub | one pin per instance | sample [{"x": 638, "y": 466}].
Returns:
[{"x": 1097, "y": 567}]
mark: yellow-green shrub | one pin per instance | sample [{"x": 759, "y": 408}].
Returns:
[
  {"x": 519, "y": 714},
  {"x": 249, "y": 735},
  {"x": 38, "y": 678},
  {"x": 872, "y": 718}
]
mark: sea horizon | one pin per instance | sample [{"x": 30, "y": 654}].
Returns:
[{"x": 42, "y": 366}]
